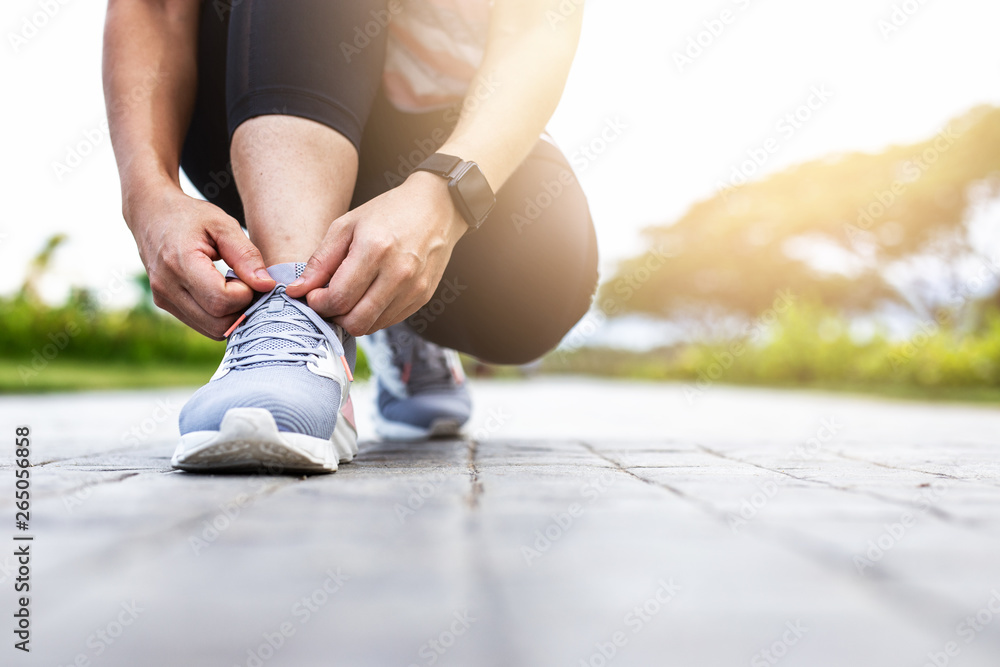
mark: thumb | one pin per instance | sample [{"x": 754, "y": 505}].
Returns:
[
  {"x": 243, "y": 257},
  {"x": 324, "y": 262}
]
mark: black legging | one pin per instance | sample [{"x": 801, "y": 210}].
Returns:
[{"x": 514, "y": 287}]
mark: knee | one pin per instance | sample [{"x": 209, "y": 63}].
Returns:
[
  {"x": 540, "y": 323},
  {"x": 556, "y": 293}
]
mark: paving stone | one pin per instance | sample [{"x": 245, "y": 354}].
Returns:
[{"x": 553, "y": 526}]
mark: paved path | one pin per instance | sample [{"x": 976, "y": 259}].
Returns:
[{"x": 584, "y": 523}]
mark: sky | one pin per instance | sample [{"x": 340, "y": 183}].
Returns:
[{"x": 664, "y": 101}]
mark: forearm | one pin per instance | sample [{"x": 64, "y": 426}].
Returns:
[
  {"x": 518, "y": 86},
  {"x": 150, "y": 76}
]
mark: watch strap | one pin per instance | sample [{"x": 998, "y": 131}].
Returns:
[{"x": 439, "y": 164}]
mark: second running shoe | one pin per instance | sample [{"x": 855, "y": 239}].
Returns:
[{"x": 421, "y": 389}]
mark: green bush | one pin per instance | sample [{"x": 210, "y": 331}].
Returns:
[
  {"x": 80, "y": 332},
  {"x": 34, "y": 335},
  {"x": 810, "y": 345}
]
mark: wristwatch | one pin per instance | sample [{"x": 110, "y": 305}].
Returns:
[{"x": 469, "y": 189}]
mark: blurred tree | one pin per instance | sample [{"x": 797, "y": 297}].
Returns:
[
  {"x": 145, "y": 303},
  {"x": 858, "y": 213},
  {"x": 82, "y": 299},
  {"x": 39, "y": 265}
]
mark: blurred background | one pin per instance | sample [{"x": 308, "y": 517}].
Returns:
[{"x": 785, "y": 192}]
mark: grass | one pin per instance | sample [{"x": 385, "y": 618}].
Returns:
[
  {"x": 82, "y": 375},
  {"x": 74, "y": 375},
  {"x": 79, "y": 347},
  {"x": 810, "y": 348},
  {"x": 77, "y": 375}
]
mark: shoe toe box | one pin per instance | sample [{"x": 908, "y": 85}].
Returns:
[{"x": 299, "y": 401}]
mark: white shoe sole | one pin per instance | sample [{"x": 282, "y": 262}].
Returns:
[
  {"x": 248, "y": 440},
  {"x": 398, "y": 431}
]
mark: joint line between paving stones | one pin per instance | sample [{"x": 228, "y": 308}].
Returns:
[
  {"x": 475, "y": 485},
  {"x": 935, "y": 511},
  {"x": 944, "y": 475},
  {"x": 705, "y": 506},
  {"x": 94, "y": 484},
  {"x": 822, "y": 553}
]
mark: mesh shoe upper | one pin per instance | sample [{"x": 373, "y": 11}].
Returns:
[{"x": 282, "y": 357}]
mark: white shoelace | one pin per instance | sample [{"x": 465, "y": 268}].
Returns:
[{"x": 301, "y": 344}]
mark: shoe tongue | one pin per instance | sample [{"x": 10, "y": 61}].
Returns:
[
  {"x": 279, "y": 310},
  {"x": 286, "y": 273}
]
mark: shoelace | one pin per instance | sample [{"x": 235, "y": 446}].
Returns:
[{"x": 299, "y": 348}]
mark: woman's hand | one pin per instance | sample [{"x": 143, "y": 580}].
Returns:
[
  {"x": 178, "y": 238},
  {"x": 383, "y": 260}
]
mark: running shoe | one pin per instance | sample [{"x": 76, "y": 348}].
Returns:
[
  {"x": 280, "y": 400},
  {"x": 421, "y": 389}
]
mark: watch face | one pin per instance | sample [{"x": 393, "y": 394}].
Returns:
[{"x": 475, "y": 192}]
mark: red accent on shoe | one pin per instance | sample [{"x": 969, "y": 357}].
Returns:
[
  {"x": 348, "y": 413},
  {"x": 235, "y": 324},
  {"x": 347, "y": 367}
]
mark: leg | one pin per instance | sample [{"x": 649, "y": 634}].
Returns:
[
  {"x": 205, "y": 158},
  {"x": 272, "y": 78},
  {"x": 296, "y": 176},
  {"x": 516, "y": 286},
  {"x": 509, "y": 294},
  {"x": 297, "y": 106}
]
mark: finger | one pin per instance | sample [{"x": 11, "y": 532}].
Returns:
[
  {"x": 327, "y": 259},
  {"x": 168, "y": 306},
  {"x": 213, "y": 293},
  {"x": 365, "y": 313},
  {"x": 394, "y": 313},
  {"x": 353, "y": 279},
  {"x": 186, "y": 309},
  {"x": 242, "y": 256},
  {"x": 212, "y": 326}
]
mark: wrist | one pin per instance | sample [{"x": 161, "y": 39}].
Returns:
[
  {"x": 141, "y": 193},
  {"x": 471, "y": 154},
  {"x": 437, "y": 187},
  {"x": 468, "y": 187}
]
